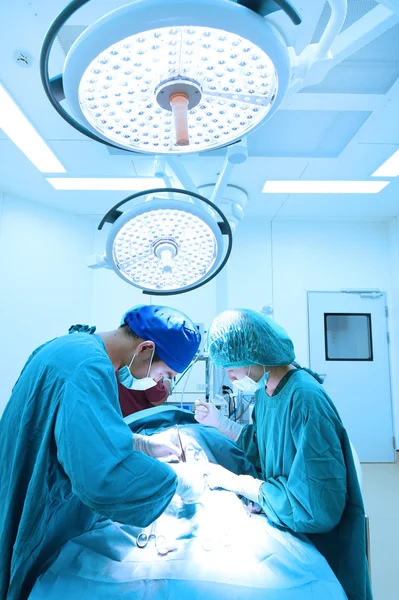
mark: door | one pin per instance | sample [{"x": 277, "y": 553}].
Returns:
[{"x": 349, "y": 346}]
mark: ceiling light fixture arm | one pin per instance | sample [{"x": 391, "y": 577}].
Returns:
[
  {"x": 180, "y": 171},
  {"x": 313, "y": 64},
  {"x": 236, "y": 154},
  {"x": 160, "y": 172}
]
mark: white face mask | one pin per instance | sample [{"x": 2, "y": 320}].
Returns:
[
  {"x": 246, "y": 385},
  {"x": 127, "y": 379}
]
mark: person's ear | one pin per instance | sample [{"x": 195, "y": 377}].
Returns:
[{"x": 145, "y": 349}]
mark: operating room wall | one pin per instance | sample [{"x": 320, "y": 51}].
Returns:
[
  {"x": 249, "y": 273},
  {"x": 330, "y": 256},
  {"x": 44, "y": 283}
]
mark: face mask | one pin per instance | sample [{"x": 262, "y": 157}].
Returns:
[
  {"x": 246, "y": 385},
  {"x": 129, "y": 381}
]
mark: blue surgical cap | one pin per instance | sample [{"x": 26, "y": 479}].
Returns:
[
  {"x": 175, "y": 336},
  {"x": 243, "y": 337}
]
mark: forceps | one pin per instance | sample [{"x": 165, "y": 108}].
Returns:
[{"x": 183, "y": 454}]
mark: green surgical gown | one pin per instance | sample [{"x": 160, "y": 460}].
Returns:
[
  {"x": 302, "y": 452},
  {"x": 67, "y": 460}
]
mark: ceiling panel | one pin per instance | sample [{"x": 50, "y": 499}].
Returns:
[
  {"x": 307, "y": 143},
  {"x": 304, "y": 134},
  {"x": 371, "y": 70},
  {"x": 384, "y": 204},
  {"x": 361, "y": 77}
]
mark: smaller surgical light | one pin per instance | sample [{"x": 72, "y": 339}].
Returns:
[{"x": 167, "y": 246}]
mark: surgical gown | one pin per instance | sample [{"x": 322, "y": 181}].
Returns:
[
  {"x": 67, "y": 460},
  {"x": 301, "y": 449}
]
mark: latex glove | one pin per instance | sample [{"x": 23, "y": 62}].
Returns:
[
  {"x": 190, "y": 481},
  {"x": 207, "y": 414},
  {"x": 243, "y": 485},
  {"x": 160, "y": 444}
]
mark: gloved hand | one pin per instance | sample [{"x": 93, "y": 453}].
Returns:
[
  {"x": 191, "y": 481},
  {"x": 160, "y": 444},
  {"x": 207, "y": 414},
  {"x": 243, "y": 485}
]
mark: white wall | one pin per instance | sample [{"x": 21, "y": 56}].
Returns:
[
  {"x": 249, "y": 268},
  {"x": 330, "y": 256},
  {"x": 320, "y": 256},
  {"x": 44, "y": 283}
]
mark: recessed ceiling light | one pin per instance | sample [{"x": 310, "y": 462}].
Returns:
[
  {"x": 390, "y": 168},
  {"x": 21, "y": 131},
  {"x": 104, "y": 183},
  {"x": 323, "y": 187}
]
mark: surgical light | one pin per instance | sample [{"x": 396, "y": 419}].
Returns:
[
  {"x": 166, "y": 245},
  {"x": 170, "y": 77}
]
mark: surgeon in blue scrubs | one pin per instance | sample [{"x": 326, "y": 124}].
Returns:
[
  {"x": 307, "y": 479},
  {"x": 67, "y": 459}
]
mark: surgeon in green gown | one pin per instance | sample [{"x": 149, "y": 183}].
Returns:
[
  {"x": 307, "y": 479},
  {"x": 67, "y": 459}
]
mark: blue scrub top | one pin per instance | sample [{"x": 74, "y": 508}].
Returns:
[
  {"x": 299, "y": 445},
  {"x": 67, "y": 460}
]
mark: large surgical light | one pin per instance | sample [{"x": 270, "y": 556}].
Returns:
[
  {"x": 170, "y": 77},
  {"x": 166, "y": 245}
]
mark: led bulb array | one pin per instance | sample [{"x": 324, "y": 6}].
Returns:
[
  {"x": 135, "y": 249},
  {"x": 117, "y": 92}
]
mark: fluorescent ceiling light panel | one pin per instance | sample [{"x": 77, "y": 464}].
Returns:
[
  {"x": 390, "y": 168},
  {"x": 323, "y": 187},
  {"x": 19, "y": 129},
  {"x": 105, "y": 183}
]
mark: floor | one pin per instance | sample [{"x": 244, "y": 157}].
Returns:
[{"x": 381, "y": 498}]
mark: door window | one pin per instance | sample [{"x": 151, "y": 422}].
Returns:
[{"x": 348, "y": 336}]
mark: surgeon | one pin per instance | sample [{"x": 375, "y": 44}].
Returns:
[
  {"x": 307, "y": 479},
  {"x": 68, "y": 460}
]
